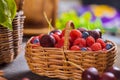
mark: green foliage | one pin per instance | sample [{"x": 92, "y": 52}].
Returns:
[
  {"x": 7, "y": 13},
  {"x": 82, "y": 21}
]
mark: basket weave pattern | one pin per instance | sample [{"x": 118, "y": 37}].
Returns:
[
  {"x": 66, "y": 64},
  {"x": 10, "y": 41}
]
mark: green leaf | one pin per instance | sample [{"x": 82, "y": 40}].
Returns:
[{"x": 7, "y": 13}]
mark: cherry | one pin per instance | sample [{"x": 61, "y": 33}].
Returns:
[
  {"x": 90, "y": 74},
  {"x": 108, "y": 76},
  {"x": 115, "y": 70}
]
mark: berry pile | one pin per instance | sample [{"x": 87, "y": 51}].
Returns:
[
  {"x": 112, "y": 73},
  {"x": 79, "y": 39}
]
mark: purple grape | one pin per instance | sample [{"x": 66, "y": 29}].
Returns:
[
  {"x": 90, "y": 74},
  {"x": 47, "y": 41}
]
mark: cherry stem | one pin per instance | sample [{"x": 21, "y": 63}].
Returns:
[{"x": 48, "y": 21}]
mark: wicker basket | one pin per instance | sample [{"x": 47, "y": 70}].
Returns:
[
  {"x": 66, "y": 64},
  {"x": 10, "y": 41}
]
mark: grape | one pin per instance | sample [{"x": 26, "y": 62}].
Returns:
[{"x": 90, "y": 74}]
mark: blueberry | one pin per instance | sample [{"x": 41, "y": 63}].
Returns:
[
  {"x": 35, "y": 41},
  {"x": 85, "y": 34},
  {"x": 84, "y": 49},
  {"x": 108, "y": 46}
]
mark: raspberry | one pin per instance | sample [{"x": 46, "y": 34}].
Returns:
[
  {"x": 75, "y": 47},
  {"x": 74, "y": 34},
  {"x": 90, "y": 40},
  {"x": 96, "y": 47},
  {"x": 80, "y": 41},
  {"x": 103, "y": 44}
]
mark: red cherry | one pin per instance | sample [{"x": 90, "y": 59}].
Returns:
[
  {"x": 74, "y": 34},
  {"x": 75, "y": 47},
  {"x": 57, "y": 38},
  {"x": 60, "y": 43},
  {"x": 63, "y": 33}
]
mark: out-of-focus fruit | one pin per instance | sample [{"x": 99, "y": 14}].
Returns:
[
  {"x": 108, "y": 76},
  {"x": 35, "y": 40},
  {"x": 74, "y": 34},
  {"x": 75, "y": 47},
  {"x": 95, "y": 34},
  {"x": 80, "y": 41},
  {"x": 62, "y": 33},
  {"x": 57, "y": 38},
  {"x": 90, "y": 74},
  {"x": 82, "y": 30},
  {"x": 100, "y": 40},
  {"x": 90, "y": 41},
  {"x": 109, "y": 46},
  {"x": 60, "y": 43},
  {"x": 96, "y": 47},
  {"x": 47, "y": 41},
  {"x": 83, "y": 49},
  {"x": 57, "y": 32},
  {"x": 115, "y": 70},
  {"x": 85, "y": 34},
  {"x": 25, "y": 79}
]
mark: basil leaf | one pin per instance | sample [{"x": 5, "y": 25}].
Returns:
[{"x": 7, "y": 13}]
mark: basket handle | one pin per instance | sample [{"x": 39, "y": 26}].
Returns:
[{"x": 68, "y": 27}]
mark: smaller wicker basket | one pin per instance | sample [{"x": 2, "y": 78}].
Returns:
[
  {"x": 10, "y": 41},
  {"x": 66, "y": 64}
]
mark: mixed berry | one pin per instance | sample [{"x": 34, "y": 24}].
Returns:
[{"x": 79, "y": 39}]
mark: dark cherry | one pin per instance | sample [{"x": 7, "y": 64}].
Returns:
[
  {"x": 47, "y": 41},
  {"x": 82, "y": 30},
  {"x": 115, "y": 70},
  {"x": 95, "y": 34},
  {"x": 58, "y": 32},
  {"x": 90, "y": 74},
  {"x": 108, "y": 76}
]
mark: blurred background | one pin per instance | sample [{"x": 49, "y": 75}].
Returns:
[{"x": 80, "y": 11}]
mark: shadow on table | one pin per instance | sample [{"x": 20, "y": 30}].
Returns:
[{"x": 29, "y": 75}]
